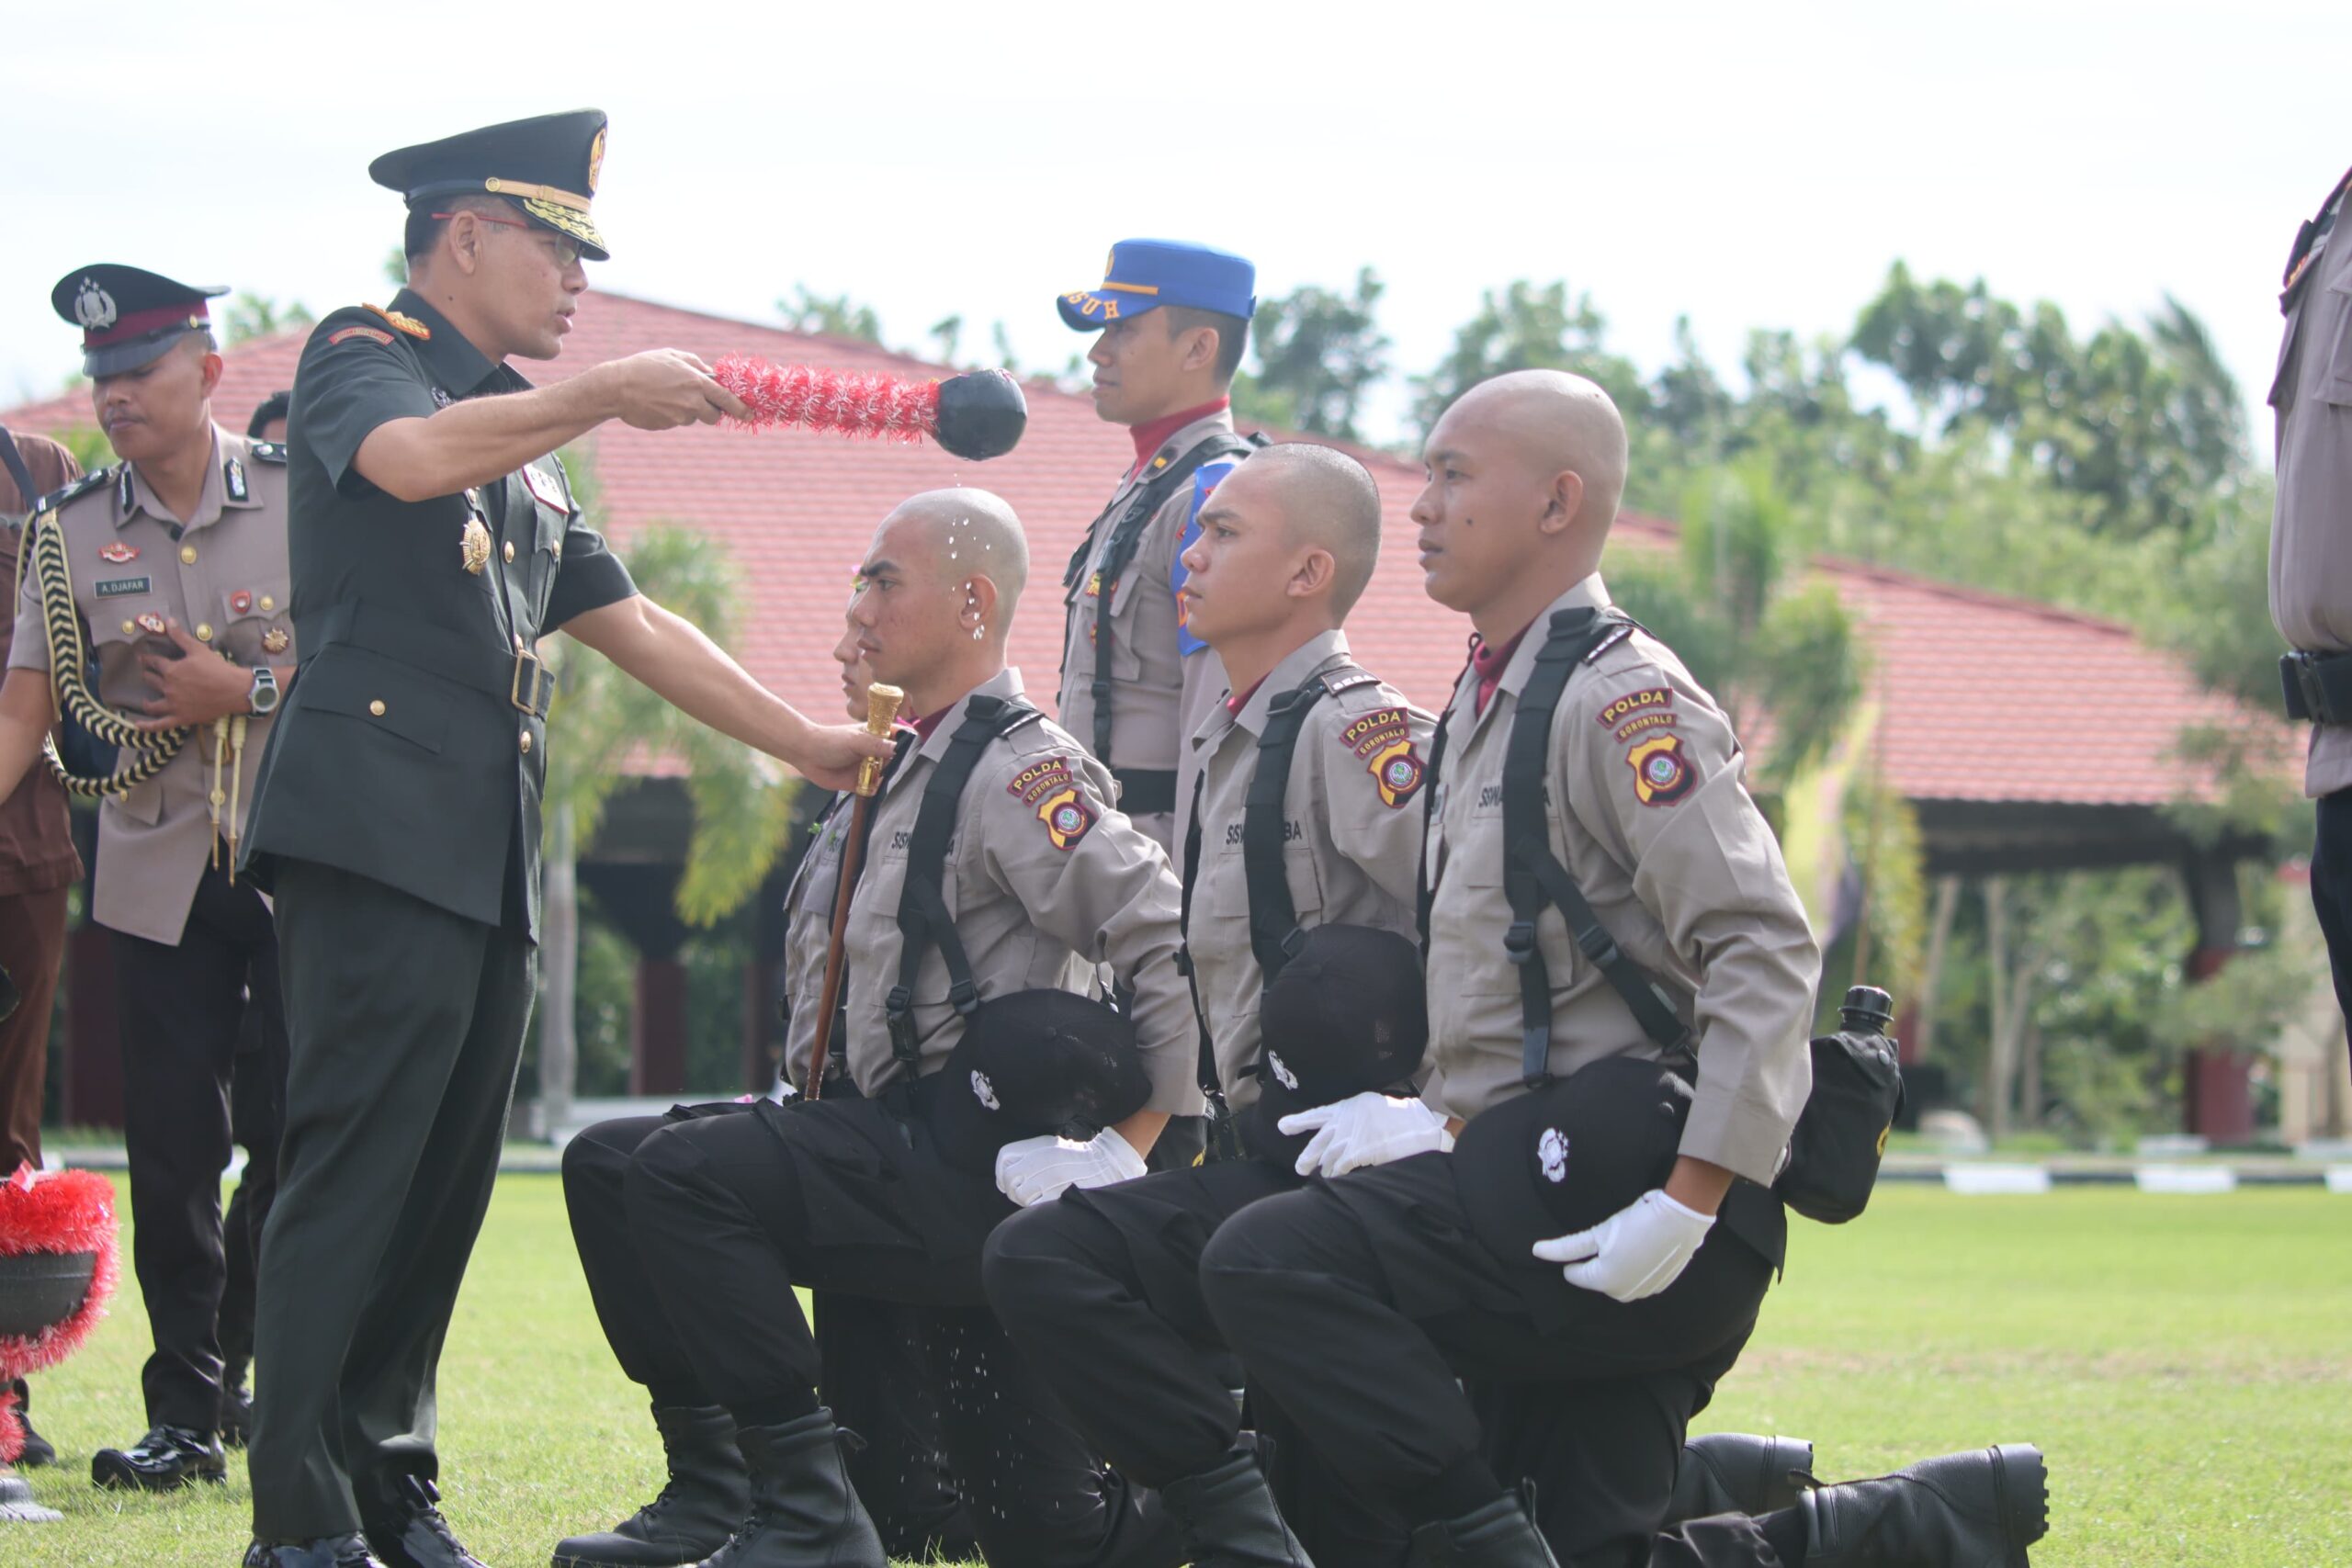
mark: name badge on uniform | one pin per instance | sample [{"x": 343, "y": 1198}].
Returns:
[
  {"x": 116, "y": 587},
  {"x": 546, "y": 486},
  {"x": 233, "y": 472}
]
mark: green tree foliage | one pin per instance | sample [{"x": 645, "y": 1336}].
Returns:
[
  {"x": 252, "y": 315},
  {"x": 1318, "y": 353},
  {"x": 835, "y": 315},
  {"x": 1528, "y": 327}
]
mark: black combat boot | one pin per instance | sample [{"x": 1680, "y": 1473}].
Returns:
[
  {"x": 708, "y": 1494},
  {"x": 1228, "y": 1518},
  {"x": 1972, "y": 1510},
  {"x": 805, "y": 1513},
  {"x": 167, "y": 1458},
  {"x": 1731, "y": 1472},
  {"x": 408, "y": 1531},
  {"x": 1500, "y": 1535},
  {"x": 326, "y": 1551}
]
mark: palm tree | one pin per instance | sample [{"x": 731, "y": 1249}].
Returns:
[{"x": 742, "y": 799}]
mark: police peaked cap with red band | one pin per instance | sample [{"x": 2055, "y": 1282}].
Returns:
[
  {"x": 546, "y": 165},
  {"x": 129, "y": 316},
  {"x": 1143, "y": 275}
]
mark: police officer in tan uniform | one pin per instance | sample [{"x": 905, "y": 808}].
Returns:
[
  {"x": 1173, "y": 321},
  {"x": 177, "y": 556},
  {"x": 870, "y": 1367},
  {"x": 1357, "y": 1302},
  {"x": 976, "y": 936}
]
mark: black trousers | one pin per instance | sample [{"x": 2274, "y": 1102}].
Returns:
[
  {"x": 1358, "y": 1302},
  {"x": 2332, "y": 889},
  {"x": 1101, "y": 1290},
  {"x": 406, "y": 1025},
  {"x": 181, "y": 1010},
  {"x": 871, "y": 1369},
  {"x": 729, "y": 1212},
  {"x": 258, "y": 1124}
]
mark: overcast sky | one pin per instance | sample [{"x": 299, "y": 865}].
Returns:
[{"x": 1744, "y": 165}]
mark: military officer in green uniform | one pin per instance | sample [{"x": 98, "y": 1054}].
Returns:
[
  {"x": 175, "y": 563},
  {"x": 434, "y": 543}
]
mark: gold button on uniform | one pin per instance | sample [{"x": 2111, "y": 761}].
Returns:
[
  {"x": 376, "y": 707},
  {"x": 204, "y": 631},
  {"x": 267, "y": 603},
  {"x": 510, "y": 552},
  {"x": 527, "y": 743},
  {"x": 187, "y": 555},
  {"x": 131, "y": 628}
]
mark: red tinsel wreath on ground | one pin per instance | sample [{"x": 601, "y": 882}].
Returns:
[{"x": 53, "y": 1211}]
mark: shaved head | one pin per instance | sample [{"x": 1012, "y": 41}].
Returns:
[
  {"x": 1328, "y": 500},
  {"x": 1554, "y": 423},
  {"x": 967, "y": 530}
]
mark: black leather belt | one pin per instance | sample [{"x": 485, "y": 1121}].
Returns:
[
  {"x": 2317, "y": 686},
  {"x": 1145, "y": 792},
  {"x": 521, "y": 678}
]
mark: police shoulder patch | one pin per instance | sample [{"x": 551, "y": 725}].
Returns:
[
  {"x": 270, "y": 452},
  {"x": 372, "y": 334},
  {"x": 1662, "y": 773}
]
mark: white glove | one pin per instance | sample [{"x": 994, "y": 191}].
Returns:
[
  {"x": 1636, "y": 1252},
  {"x": 1370, "y": 1128},
  {"x": 1036, "y": 1170}
]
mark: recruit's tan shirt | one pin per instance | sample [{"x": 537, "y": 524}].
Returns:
[
  {"x": 2311, "y": 533},
  {"x": 37, "y": 851},
  {"x": 1351, "y": 834},
  {"x": 1158, "y": 696},
  {"x": 1048, "y": 882},
  {"x": 807, "y": 933},
  {"x": 224, "y": 578},
  {"x": 1648, "y": 812}
]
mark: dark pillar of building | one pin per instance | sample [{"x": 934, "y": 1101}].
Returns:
[
  {"x": 2217, "y": 1097},
  {"x": 640, "y": 899},
  {"x": 657, "y": 1028}
]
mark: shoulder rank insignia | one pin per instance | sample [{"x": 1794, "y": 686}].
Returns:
[
  {"x": 270, "y": 452},
  {"x": 1347, "y": 680},
  {"x": 547, "y": 487},
  {"x": 232, "y": 475},
  {"x": 95, "y": 479},
  {"x": 117, "y": 553},
  {"x": 400, "y": 323}
]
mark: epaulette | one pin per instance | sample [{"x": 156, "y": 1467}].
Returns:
[
  {"x": 270, "y": 452},
  {"x": 1348, "y": 680},
  {"x": 400, "y": 323},
  {"x": 96, "y": 478}
]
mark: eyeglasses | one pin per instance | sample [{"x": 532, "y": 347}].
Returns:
[{"x": 567, "y": 252}]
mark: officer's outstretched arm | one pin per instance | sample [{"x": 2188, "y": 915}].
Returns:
[
  {"x": 25, "y": 718},
  {"x": 670, "y": 655}
]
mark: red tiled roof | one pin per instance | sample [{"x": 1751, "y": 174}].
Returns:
[{"x": 1983, "y": 698}]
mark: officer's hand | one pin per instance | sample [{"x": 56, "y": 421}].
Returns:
[
  {"x": 663, "y": 388},
  {"x": 197, "y": 687},
  {"x": 830, "y": 753},
  {"x": 1366, "y": 1129},
  {"x": 1037, "y": 1170},
  {"x": 1636, "y": 1252}
]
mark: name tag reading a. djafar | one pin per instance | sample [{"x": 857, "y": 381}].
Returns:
[{"x": 116, "y": 587}]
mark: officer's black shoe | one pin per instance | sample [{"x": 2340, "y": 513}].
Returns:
[
  {"x": 327, "y": 1552},
  {"x": 236, "y": 1407},
  {"x": 167, "y": 1458},
  {"x": 1971, "y": 1510},
  {"x": 1732, "y": 1473},
  {"x": 708, "y": 1494},
  {"x": 1500, "y": 1535},
  {"x": 38, "y": 1451},
  {"x": 805, "y": 1513},
  {"x": 411, "y": 1532},
  {"x": 1229, "y": 1520}
]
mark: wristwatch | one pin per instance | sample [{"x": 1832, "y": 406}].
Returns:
[{"x": 262, "y": 698}]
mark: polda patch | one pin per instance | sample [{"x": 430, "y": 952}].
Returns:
[
  {"x": 1067, "y": 817},
  {"x": 1654, "y": 699},
  {"x": 1397, "y": 770},
  {"x": 1662, "y": 774}
]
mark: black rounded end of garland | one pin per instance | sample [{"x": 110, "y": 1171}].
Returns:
[{"x": 981, "y": 415}]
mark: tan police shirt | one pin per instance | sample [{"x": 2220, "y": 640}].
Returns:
[
  {"x": 1048, "y": 882},
  {"x": 221, "y": 573},
  {"x": 1351, "y": 833},
  {"x": 1648, "y": 812},
  {"x": 1159, "y": 696},
  {"x": 37, "y": 852},
  {"x": 807, "y": 933},
  {"x": 2311, "y": 533}
]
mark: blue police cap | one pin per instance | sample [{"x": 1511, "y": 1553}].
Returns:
[{"x": 1143, "y": 275}]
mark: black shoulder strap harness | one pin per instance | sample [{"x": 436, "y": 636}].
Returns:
[
  {"x": 923, "y": 918},
  {"x": 1532, "y": 875},
  {"x": 1275, "y": 934},
  {"x": 1125, "y": 536}
]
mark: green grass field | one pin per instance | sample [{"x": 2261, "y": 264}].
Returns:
[{"x": 2186, "y": 1362}]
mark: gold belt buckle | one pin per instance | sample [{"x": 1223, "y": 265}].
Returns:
[{"x": 525, "y": 662}]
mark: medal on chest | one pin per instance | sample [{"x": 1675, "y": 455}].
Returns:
[{"x": 473, "y": 545}]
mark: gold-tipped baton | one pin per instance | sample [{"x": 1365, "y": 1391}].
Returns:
[{"x": 881, "y": 709}]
